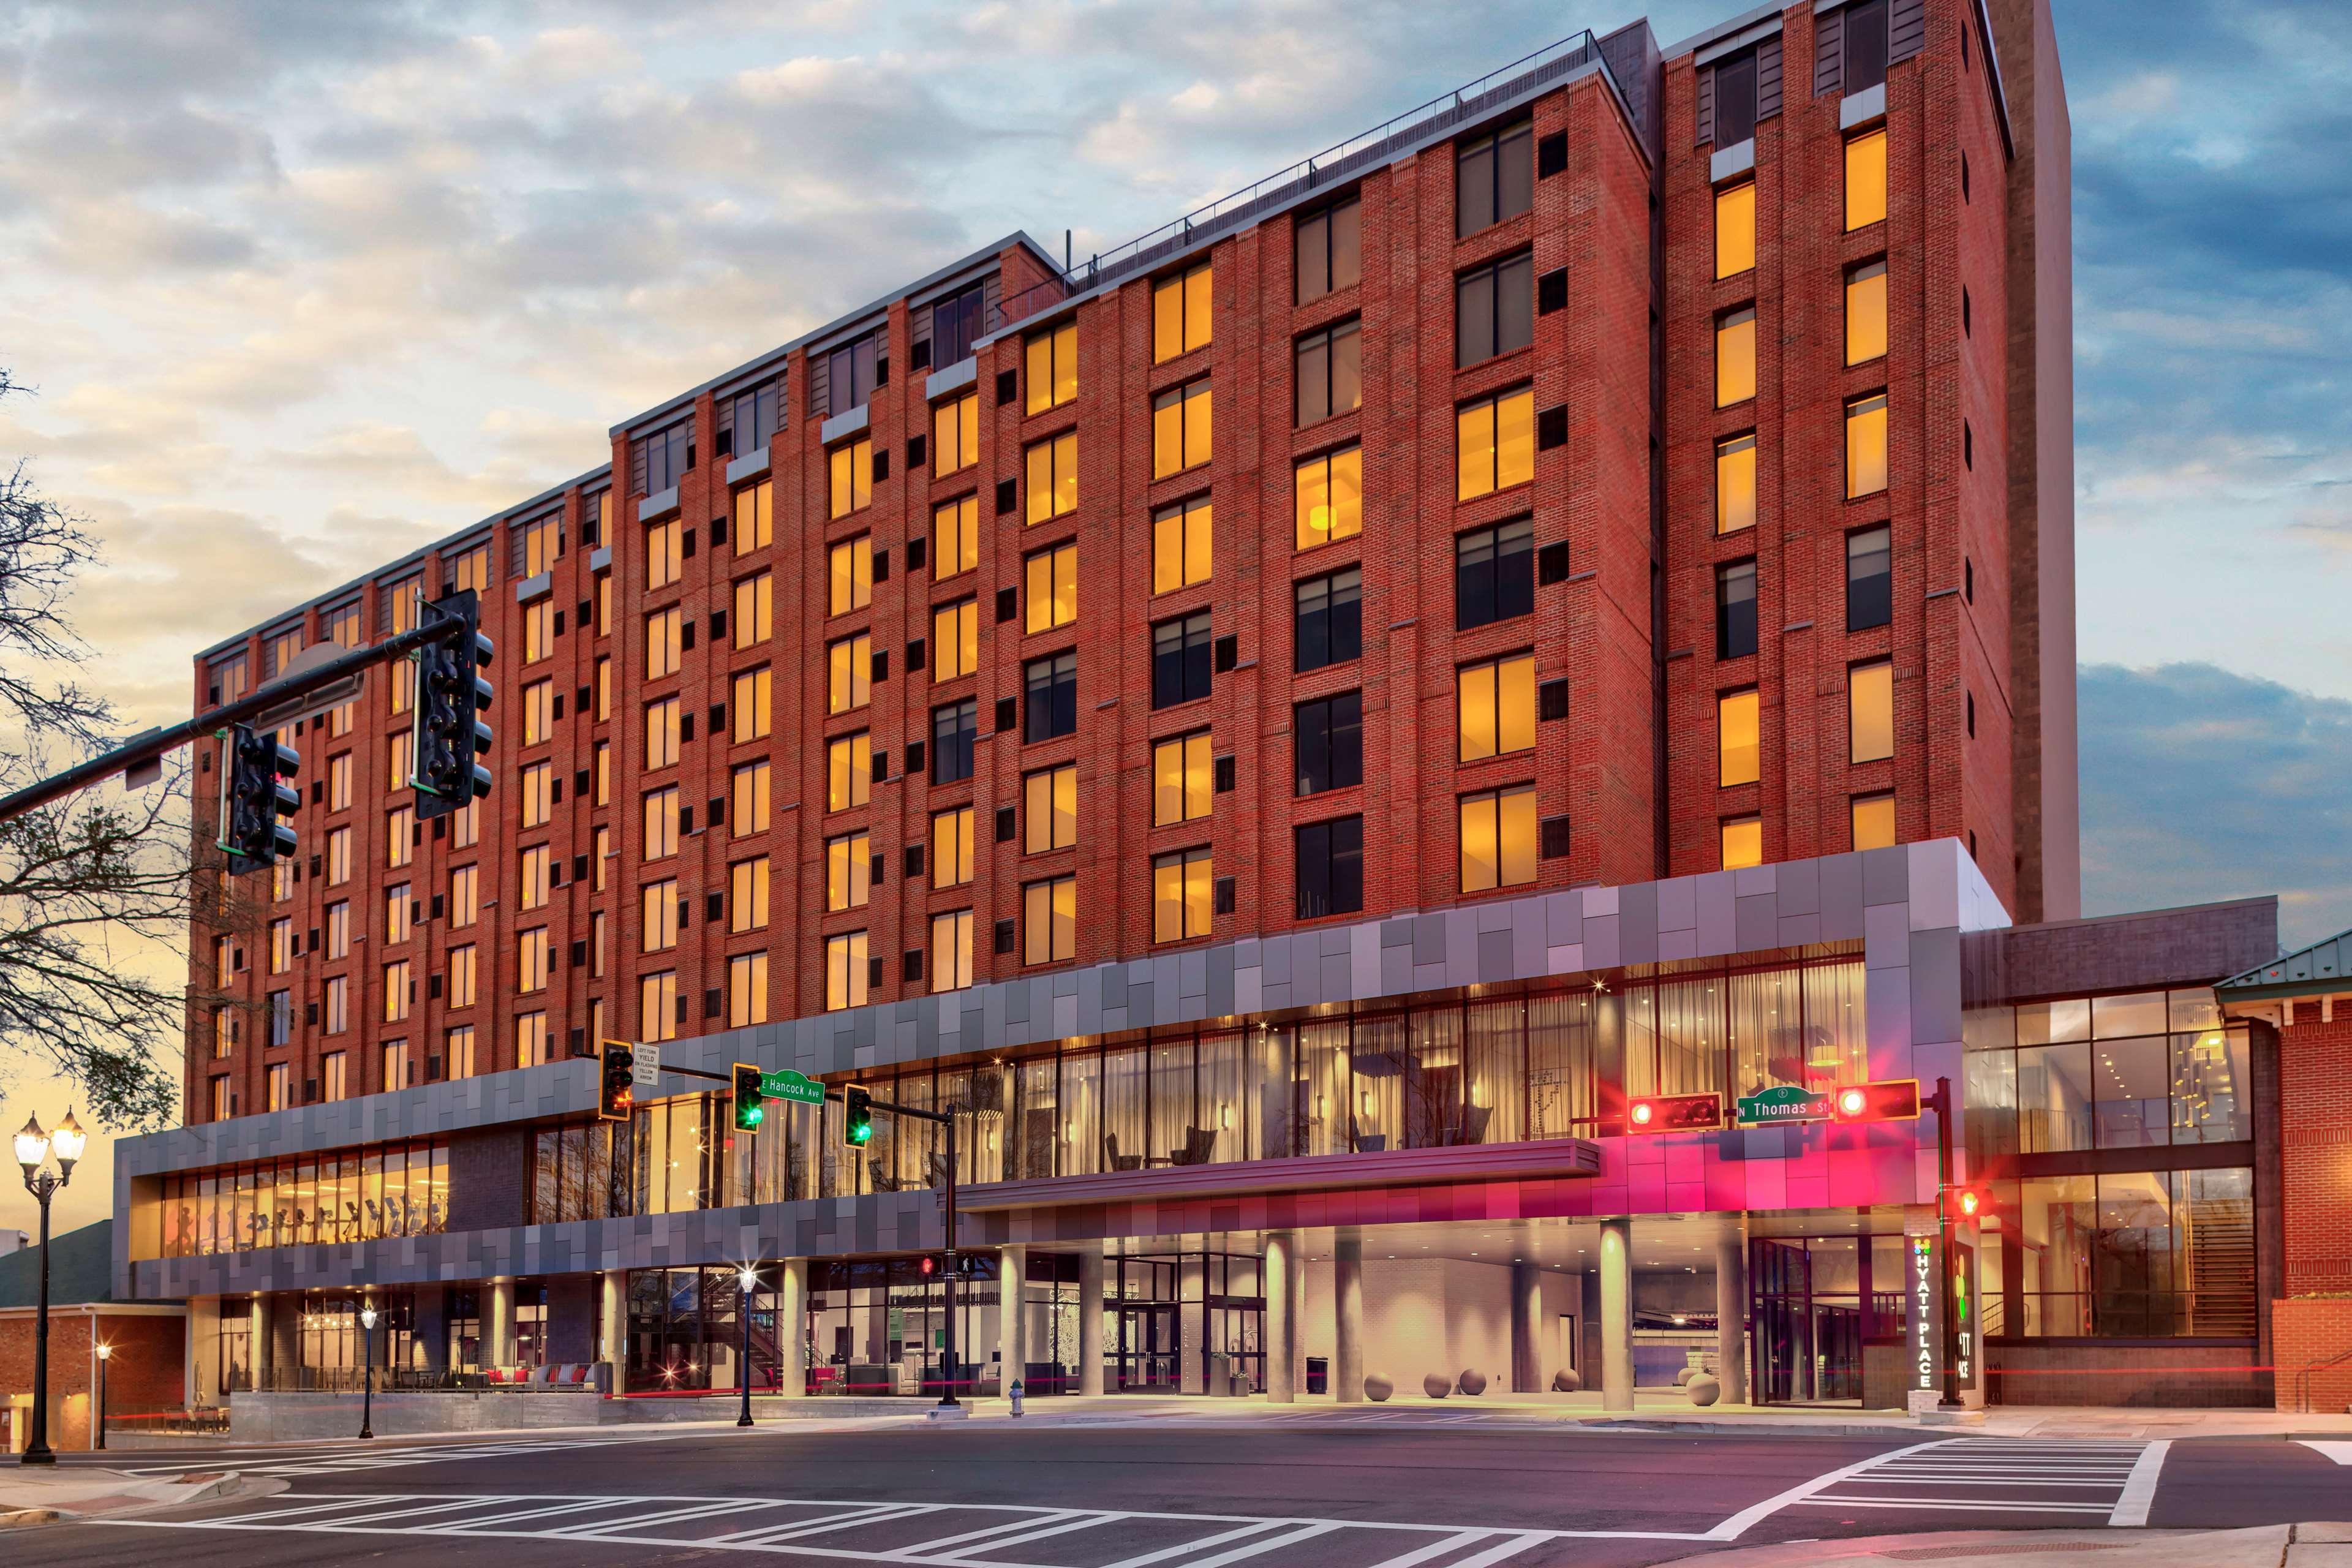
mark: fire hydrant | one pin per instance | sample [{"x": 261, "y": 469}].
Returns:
[{"x": 1016, "y": 1396}]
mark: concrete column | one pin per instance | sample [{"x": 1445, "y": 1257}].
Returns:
[
  {"x": 1526, "y": 1320},
  {"x": 256, "y": 1346},
  {"x": 1731, "y": 1314},
  {"x": 431, "y": 1343},
  {"x": 613, "y": 1343},
  {"x": 498, "y": 1325},
  {"x": 1617, "y": 1314},
  {"x": 1298, "y": 1317},
  {"x": 1348, "y": 1327},
  {"x": 792, "y": 1328},
  {"x": 1281, "y": 1318},
  {"x": 1090, "y": 1321},
  {"x": 1011, "y": 1270}
]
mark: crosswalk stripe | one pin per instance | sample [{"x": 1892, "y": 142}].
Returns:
[
  {"x": 880, "y": 1513},
  {"x": 1459, "y": 1539},
  {"x": 1164, "y": 1553},
  {"x": 1939, "y": 1505},
  {"x": 667, "y": 1516},
  {"x": 2139, "y": 1490},
  {"x": 1257, "y": 1548},
  {"x": 375, "y": 1519},
  {"x": 925, "y": 1548},
  {"x": 1007, "y": 1543}
]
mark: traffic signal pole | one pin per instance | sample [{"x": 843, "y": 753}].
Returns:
[
  {"x": 1005, "y": 1302},
  {"x": 1942, "y": 1101}
]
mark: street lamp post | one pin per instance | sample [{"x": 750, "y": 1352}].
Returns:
[
  {"x": 34, "y": 1148},
  {"x": 748, "y": 1279},
  {"x": 367, "y": 1370},
  {"x": 105, "y": 1355}
]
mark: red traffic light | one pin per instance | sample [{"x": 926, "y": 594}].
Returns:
[
  {"x": 1674, "y": 1112},
  {"x": 1894, "y": 1100},
  {"x": 1966, "y": 1202},
  {"x": 929, "y": 1266}
]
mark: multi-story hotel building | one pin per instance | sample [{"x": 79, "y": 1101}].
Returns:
[{"x": 1281, "y": 729}]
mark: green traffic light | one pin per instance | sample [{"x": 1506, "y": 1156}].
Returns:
[{"x": 861, "y": 1132}]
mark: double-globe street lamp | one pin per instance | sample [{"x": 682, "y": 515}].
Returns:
[{"x": 34, "y": 1148}]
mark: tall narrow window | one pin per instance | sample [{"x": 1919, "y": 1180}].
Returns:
[
  {"x": 951, "y": 950},
  {"x": 1869, "y": 578},
  {"x": 661, "y": 824},
  {"x": 1180, "y": 895},
  {"x": 849, "y": 771},
  {"x": 1180, "y": 779},
  {"x": 1327, "y": 497},
  {"x": 1053, "y": 477},
  {"x": 1870, "y": 711},
  {"x": 755, "y": 611},
  {"x": 747, "y": 894},
  {"x": 1495, "y": 444},
  {"x": 954, "y": 727},
  {"x": 1329, "y": 620},
  {"x": 852, "y": 574},
  {"x": 1494, "y": 310},
  {"x": 1499, "y": 838},
  {"x": 849, "y": 673},
  {"x": 955, "y": 640},
  {"x": 1865, "y": 179},
  {"x": 1494, "y": 573},
  {"x": 1734, "y": 609},
  {"x": 1327, "y": 249},
  {"x": 1052, "y": 698},
  {"x": 1181, "y": 547},
  {"x": 951, "y": 858},
  {"x": 1734, "y": 100},
  {"x": 1052, "y": 368},
  {"x": 1049, "y": 800},
  {"x": 1734, "y": 229},
  {"x": 1050, "y": 583},
  {"x": 1180, "y": 659},
  {"x": 658, "y": 923},
  {"x": 1328, "y": 372},
  {"x": 752, "y": 704},
  {"x": 955, "y": 436},
  {"x": 661, "y": 734},
  {"x": 656, "y": 1009},
  {"x": 1494, "y": 178},
  {"x": 848, "y": 871},
  {"x": 538, "y": 862},
  {"x": 1330, "y": 858},
  {"x": 1495, "y": 707},
  {"x": 1738, "y": 738},
  {"x": 1049, "y": 921},
  {"x": 665, "y": 643},
  {"x": 1180, "y": 313},
  {"x": 746, "y": 798},
  {"x": 1865, "y": 445},
  {"x": 755, "y": 512},
  {"x": 1328, "y": 735},
  {"x": 1741, "y": 840},
  {"x": 1872, "y": 825},
  {"x": 747, "y": 989},
  {"x": 1735, "y": 483},
  {"x": 1863, "y": 40},
  {"x": 845, "y": 970},
  {"x": 955, "y": 538},
  {"x": 1180, "y": 429},
  {"x": 1735, "y": 356},
  {"x": 662, "y": 555},
  {"x": 850, "y": 477},
  {"x": 1866, "y": 312}
]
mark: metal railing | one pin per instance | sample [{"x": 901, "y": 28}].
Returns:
[
  {"x": 1338, "y": 162},
  {"x": 204, "y": 1421},
  {"x": 410, "y": 1380},
  {"x": 2303, "y": 1378}
]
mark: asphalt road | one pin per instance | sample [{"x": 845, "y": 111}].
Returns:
[{"x": 1325, "y": 1492}]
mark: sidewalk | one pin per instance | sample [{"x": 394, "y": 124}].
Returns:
[
  {"x": 2270, "y": 1546},
  {"x": 44, "y": 1496}
]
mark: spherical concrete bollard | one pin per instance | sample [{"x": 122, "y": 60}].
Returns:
[
  {"x": 1704, "y": 1389},
  {"x": 1437, "y": 1385},
  {"x": 1566, "y": 1381},
  {"x": 1378, "y": 1388},
  {"x": 1474, "y": 1382},
  {"x": 1683, "y": 1374}
]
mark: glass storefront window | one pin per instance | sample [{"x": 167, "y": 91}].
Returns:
[
  {"x": 374, "y": 1193},
  {"x": 2132, "y": 1255},
  {"x": 2097, "y": 1087}
]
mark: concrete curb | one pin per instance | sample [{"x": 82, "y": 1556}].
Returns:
[
  {"x": 145, "y": 1496},
  {"x": 2264, "y": 1546}
]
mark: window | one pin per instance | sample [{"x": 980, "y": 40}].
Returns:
[
  {"x": 339, "y": 928},
  {"x": 1180, "y": 895},
  {"x": 336, "y": 1010},
  {"x": 751, "y": 704},
  {"x": 1052, "y": 468},
  {"x": 333, "y": 1081},
  {"x": 281, "y": 945},
  {"x": 1330, "y": 868},
  {"x": 398, "y": 906},
  {"x": 339, "y": 856},
  {"x": 1735, "y": 483},
  {"x": 339, "y": 781},
  {"x": 955, "y": 538},
  {"x": 1865, "y": 179},
  {"x": 538, "y": 793},
  {"x": 604, "y": 698},
  {"x": 1738, "y": 743},
  {"x": 1874, "y": 821},
  {"x": 664, "y": 643},
  {"x": 1494, "y": 178},
  {"x": 1741, "y": 841},
  {"x": 845, "y": 970},
  {"x": 851, "y": 478},
  {"x": 1180, "y": 429},
  {"x": 399, "y": 837},
  {"x": 747, "y": 805},
  {"x": 1734, "y": 609},
  {"x": 853, "y": 576},
  {"x": 747, "y": 894},
  {"x": 1494, "y": 310},
  {"x": 470, "y": 569},
  {"x": 1050, "y": 801},
  {"x": 658, "y": 922},
  {"x": 951, "y": 950},
  {"x": 281, "y": 1017},
  {"x": 848, "y": 871},
  {"x": 851, "y": 375},
  {"x": 224, "y": 1032},
  {"x": 747, "y": 989},
  {"x": 1866, "y": 312},
  {"x": 661, "y": 824},
  {"x": 849, "y": 771},
  {"x": 659, "y": 459},
  {"x": 755, "y": 611},
  {"x": 464, "y": 883},
  {"x": 954, "y": 728},
  {"x": 1328, "y": 738},
  {"x": 1870, "y": 711},
  {"x": 1495, "y": 708},
  {"x": 1180, "y": 781},
  {"x": 955, "y": 322},
  {"x": 1734, "y": 229},
  {"x": 537, "y": 630},
  {"x": 1865, "y": 445},
  {"x": 601, "y": 856},
  {"x": 1049, "y": 921},
  {"x": 1329, "y": 619},
  {"x": 1735, "y": 356},
  {"x": 1329, "y": 372},
  {"x": 1053, "y": 366},
  {"x": 396, "y": 991},
  {"x": 850, "y": 673},
  {"x": 601, "y": 779},
  {"x": 596, "y": 953},
  {"x": 536, "y": 862},
  {"x": 1865, "y": 47},
  {"x": 1180, "y": 313},
  {"x": 1327, "y": 497},
  {"x": 955, "y": 640},
  {"x": 755, "y": 512},
  {"x": 661, "y": 736},
  {"x": 1327, "y": 249},
  {"x": 1180, "y": 545},
  {"x": 458, "y": 1058},
  {"x": 1495, "y": 444},
  {"x": 1494, "y": 573},
  {"x": 1734, "y": 100},
  {"x": 280, "y": 1086},
  {"x": 221, "y": 1104},
  {"x": 663, "y": 551},
  {"x": 605, "y": 598},
  {"x": 952, "y": 848},
  {"x": 1869, "y": 578},
  {"x": 537, "y": 712},
  {"x": 1051, "y": 586},
  {"x": 1052, "y": 697},
  {"x": 534, "y": 1045},
  {"x": 1499, "y": 838},
  {"x": 464, "y": 976},
  {"x": 658, "y": 1006},
  {"x": 1180, "y": 659},
  {"x": 955, "y": 435}
]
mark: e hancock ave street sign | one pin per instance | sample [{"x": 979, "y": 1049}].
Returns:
[
  {"x": 1783, "y": 1102},
  {"x": 789, "y": 1085}
]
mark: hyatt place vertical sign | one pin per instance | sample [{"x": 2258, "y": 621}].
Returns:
[{"x": 1923, "y": 1319}]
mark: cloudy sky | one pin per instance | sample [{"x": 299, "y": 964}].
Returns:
[{"x": 302, "y": 286}]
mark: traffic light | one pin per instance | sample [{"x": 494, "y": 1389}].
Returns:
[
  {"x": 616, "y": 1094},
  {"x": 451, "y": 697},
  {"x": 970, "y": 1265},
  {"x": 1674, "y": 1112},
  {"x": 751, "y": 1100},
  {"x": 1892, "y": 1099},
  {"x": 858, "y": 1117},
  {"x": 1964, "y": 1203},
  {"x": 254, "y": 797}
]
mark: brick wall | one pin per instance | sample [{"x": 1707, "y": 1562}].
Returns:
[
  {"x": 2313, "y": 1320},
  {"x": 145, "y": 1374},
  {"x": 2140, "y": 1375}
]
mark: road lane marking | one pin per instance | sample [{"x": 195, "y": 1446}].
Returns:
[
  {"x": 884, "y": 1513},
  {"x": 1737, "y": 1524},
  {"x": 1256, "y": 1527},
  {"x": 927, "y": 1548},
  {"x": 1007, "y": 1543},
  {"x": 1939, "y": 1505},
  {"x": 2139, "y": 1491},
  {"x": 1434, "y": 1549},
  {"x": 2339, "y": 1452},
  {"x": 1493, "y": 1554},
  {"x": 1257, "y": 1548}
]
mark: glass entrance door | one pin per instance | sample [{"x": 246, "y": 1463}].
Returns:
[
  {"x": 1147, "y": 1349},
  {"x": 1807, "y": 1310}
]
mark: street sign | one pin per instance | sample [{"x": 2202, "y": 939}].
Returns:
[
  {"x": 645, "y": 1066},
  {"x": 790, "y": 1085},
  {"x": 319, "y": 699},
  {"x": 1782, "y": 1103}
]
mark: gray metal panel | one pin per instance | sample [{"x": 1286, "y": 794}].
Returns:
[
  {"x": 650, "y": 506},
  {"x": 532, "y": 588},
  {"x": 750, "y": 466},
  {"x": 955, "y": 378},
  {"x": 845, "y": 424}
]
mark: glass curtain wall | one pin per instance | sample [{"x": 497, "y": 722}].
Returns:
[{"x": 364, "y": 1194}]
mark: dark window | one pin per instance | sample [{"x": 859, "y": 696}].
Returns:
[
  {"x": 1494, "y": 178},
  {"x": 1494, "y": 573},
  {"x": 1735, "y": 610},
  {"x": 1330, "y": 372},
  {"x": 655, "y": 462},
  {"x": 849, "y": 376},
  {"x": 1331, "y": 625},
  {"x": 1864, "y": 66},
  {"x": 1328, "y": 249},
  {"x": 955, "y": 322},
  {"x": 1494, "y": 310},
  {"x": 1053, "y": 685},
  {"x": 953, "y": 728},
  {"x": 1180, "y": 659},
  {"x": 752, "y": 419},
  {"x": 1734, "y": 100},
  {"x": 1328, "y": 737},
  {"x": 1331, "y": 868},
  {"x": 1869, "y": 579}
]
